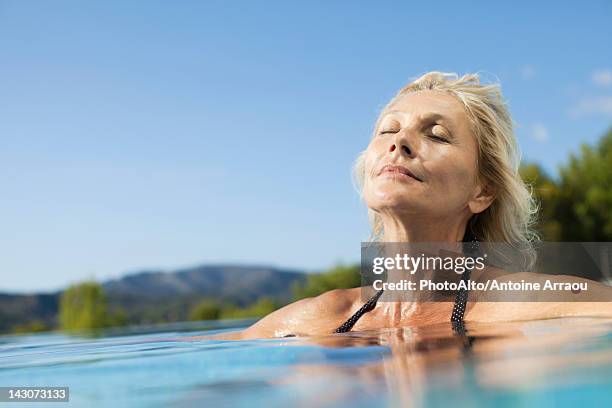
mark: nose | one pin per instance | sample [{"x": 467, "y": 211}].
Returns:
[{"x": 402, "y": 145}]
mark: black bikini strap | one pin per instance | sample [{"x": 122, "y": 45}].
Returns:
[
  {"x": 461, "y": 299},
  {"x": 369, "y": 305},
  {"x": 471, "y": 247}
]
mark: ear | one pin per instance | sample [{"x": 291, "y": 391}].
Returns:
[{"x": 482, "y": 198}]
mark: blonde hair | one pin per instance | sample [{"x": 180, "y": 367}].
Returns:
[{"x": 512, "y": 215}]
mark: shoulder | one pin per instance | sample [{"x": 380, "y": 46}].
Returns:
[
  {"x": 314, "y": 315},
  {"x": 557, "y": 296}
]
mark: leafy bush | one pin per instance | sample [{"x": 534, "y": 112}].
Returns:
[
  {"x": 577, "y": 206},
  {"x": 339, "y": 277},
  {"x": 205, "y": 310},
  {"x": 85, "y": 306}
]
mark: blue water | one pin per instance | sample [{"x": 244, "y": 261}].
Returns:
[{"x": 560, "y": 362}]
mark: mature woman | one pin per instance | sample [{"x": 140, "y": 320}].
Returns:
[{"x": 442, "y": 166}]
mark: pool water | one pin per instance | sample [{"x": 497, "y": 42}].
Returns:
[{"x": 559, "y": 362}]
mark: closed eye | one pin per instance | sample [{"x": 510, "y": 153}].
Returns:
[
  {"x": 386, "y": 132},
  {"x": 439, "y": 138}
]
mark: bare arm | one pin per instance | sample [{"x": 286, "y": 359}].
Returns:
[
  {"x": 277, "y": 324},
  {"x": 596, "y": 301},
  {"x": 318, "y": 315},
  {"x": 282, "y": 322},
  {"x": 309, "y": 316}
]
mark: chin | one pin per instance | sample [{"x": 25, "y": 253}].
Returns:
[
  {"x": 386, "y": 200},
  {"x": 395, "y": 193}
]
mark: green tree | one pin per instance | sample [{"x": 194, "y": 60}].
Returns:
[
  {"x": 117, "y": 316},
  {"x": 339, "y": 277},
  {"x": 33, "y": 326},
  {"x": 577, "y": 206},
  {"x": 546, "y": 191},
  {"x": 585, "y": 203},
  {"x": 262, "y": 307},
  {"x": 83, "y": 306},
  {"x": 205, "y": 310}
]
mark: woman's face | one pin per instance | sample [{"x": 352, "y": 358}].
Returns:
[{"x": 422, "y": 159}]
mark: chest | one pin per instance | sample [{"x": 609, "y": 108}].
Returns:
[{"x": 394, "y": 316}]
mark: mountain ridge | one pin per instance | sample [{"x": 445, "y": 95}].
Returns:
[{"x": 149, "y": 295}]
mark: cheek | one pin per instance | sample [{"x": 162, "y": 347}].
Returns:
[
  {"x": 373, "y": 154},
  {"x": 373, "y": 191},
  {"x": 369, "y": 185},
  {"x": 451, "y": 173},
  {"x": 372, "y": 158}
]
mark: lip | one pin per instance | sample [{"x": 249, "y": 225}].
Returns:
[{"x": 395, "y": 169}]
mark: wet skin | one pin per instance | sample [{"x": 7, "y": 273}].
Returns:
[{"x": 421, "y": 178}]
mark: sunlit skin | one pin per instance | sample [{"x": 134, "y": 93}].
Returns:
[{"x": 429, "y": 134}]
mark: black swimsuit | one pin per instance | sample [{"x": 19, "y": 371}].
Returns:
[{"x": 458, "y": 308}]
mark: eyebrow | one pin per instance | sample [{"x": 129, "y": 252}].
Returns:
[{"x": 431, "y": 116}]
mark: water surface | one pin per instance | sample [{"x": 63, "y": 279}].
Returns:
[{"x": 558, "y": 362}]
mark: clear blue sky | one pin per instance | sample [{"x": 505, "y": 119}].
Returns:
[{"x": 156, "y": 134}]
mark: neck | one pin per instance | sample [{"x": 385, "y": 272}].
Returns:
[
  {"x": 423, "y": 229},
  {"x": 412, "y": 229}
]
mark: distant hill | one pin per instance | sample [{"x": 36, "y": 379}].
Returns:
[
  {"x": 152, "y": 296},
  {"x": 22, "y": 309},
  {"x": 239, "y": 283}
]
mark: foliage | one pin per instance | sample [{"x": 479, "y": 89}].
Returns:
[
  {"x": 262, "y": 307},
  {"x": 205, "y": 310},
  {"x": 577, "y": 206},
  {"x": 339, "y": 277},
  {"x": 585, "y": 205},
  {"x": 117, "y": 317},
  {"x": 33, "y": 326},
  {"x": 546, "y": 192},
  {"x": 209, "y": 309},
  {"x": 85, "y": 306}
]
